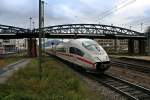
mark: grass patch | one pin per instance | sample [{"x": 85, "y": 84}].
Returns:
[{"x": 57, "y": 83}]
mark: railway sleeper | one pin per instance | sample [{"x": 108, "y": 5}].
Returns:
[
  {"x": 129, "y": 90},
  {"x": 123, "y": 87},
  {"x": 136, "y": 93},
  {"x": 114, "y": 83},
  {"x": 143, "y": 97},
  {"x": 108, "y": 81},
  {"x": 118, "y": 85}
]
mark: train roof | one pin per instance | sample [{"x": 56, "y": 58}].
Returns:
[
  {"x": 80, "y": 40},
  {"x": 74, "y": 41}
]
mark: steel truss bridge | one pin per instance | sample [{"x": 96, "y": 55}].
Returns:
[{"x": 72, "y": 31}]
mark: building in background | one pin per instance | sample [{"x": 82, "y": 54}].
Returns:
[
  {"x": 1, "y": 47},
  {"x": 112, "y": 46},
  {"x": 12, "y": 45},
  {"x": 21, "y": 44},
  {"x": 7, "y": 45}
]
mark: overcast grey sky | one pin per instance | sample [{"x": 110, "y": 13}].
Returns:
[{"x": 123, "y": 13}]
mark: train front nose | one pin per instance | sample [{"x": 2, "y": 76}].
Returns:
[{"x": 102, "y": 66}]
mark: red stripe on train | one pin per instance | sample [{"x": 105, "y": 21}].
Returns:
[
  {"x": 78, "y": 57},
  {"x": 86, "y": 61},
  {"x": 65, "y": 54}
]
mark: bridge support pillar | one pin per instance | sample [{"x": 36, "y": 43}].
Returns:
[
  {"x": 115, "y": 46},
  {"x": 148, "y": 44},
  {"x": 131, "y": 46},
  {"x": 32, "y": 47},
  {"x": 141, "y": 46}
]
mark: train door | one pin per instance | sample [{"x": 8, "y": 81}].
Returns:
[
  {"x": 79, "y": 57},
  {"x": 72, "y": 51}
]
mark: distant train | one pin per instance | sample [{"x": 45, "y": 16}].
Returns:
[{"x": 86, "y": 53}]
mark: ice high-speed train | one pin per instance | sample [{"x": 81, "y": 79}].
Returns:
[{"x": 86, "y": 53}]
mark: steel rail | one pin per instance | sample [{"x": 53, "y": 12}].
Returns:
[
  {"x": 125, "y": 88},
  {"x": 139, "y": 68},
  {"x": 11, "y": 66}
]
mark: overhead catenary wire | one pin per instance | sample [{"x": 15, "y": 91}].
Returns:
[{"x": 117, "y": 7}]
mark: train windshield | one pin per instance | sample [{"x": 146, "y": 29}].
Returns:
[{"x": 93, "y": 46}]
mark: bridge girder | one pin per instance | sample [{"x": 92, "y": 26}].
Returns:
[
  {"x": 89, "y": 29},
  {"x": 5, "y": 29},
  {"x": 70, "y": 30}
]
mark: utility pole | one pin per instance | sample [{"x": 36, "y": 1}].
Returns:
[
  {"x": 148, "y": 42},
  {"x": 141, "y": 27},
  {"x": 40, "y": 36},
  {"x": 30, "y": 22},
  {"x": 43, "y": 34},
  {"x": 130, "y": 27},
  {"x": 33, "y": 24}
]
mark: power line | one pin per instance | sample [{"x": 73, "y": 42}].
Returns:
[
  {"x": 113, "y": 8},
  {"x": 144, "y": 20},
  {"x": 116, "y": 8}
]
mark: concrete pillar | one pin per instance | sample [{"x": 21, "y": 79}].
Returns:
[
  {"x": 141, "y": 46},
  {"x": 115, "y": 45},
  {"x": 32, "y": 47},
  {"x": 131, "y": 46}
]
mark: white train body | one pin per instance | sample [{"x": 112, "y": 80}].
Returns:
[{"x": 83, "y": 52}]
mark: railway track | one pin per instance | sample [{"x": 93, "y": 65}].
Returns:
[
  {"x": 125, "y": 88},
  {"x": 11, "y": 66},
  {"x": 139, "y": 68},
  {"x": 7, "y": 54}
]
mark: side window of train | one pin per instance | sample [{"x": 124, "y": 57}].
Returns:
[
  {"x": 61, "y": 50},
  {"x": 76, "y": 51},
  {"x": 72, "y": 50},
  {"x": 79, "y": 52}
]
